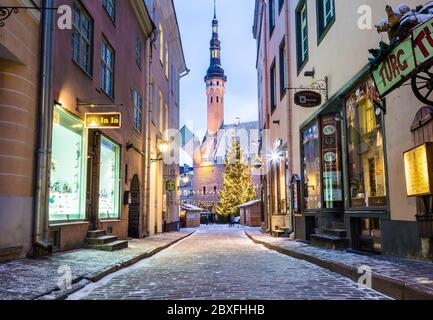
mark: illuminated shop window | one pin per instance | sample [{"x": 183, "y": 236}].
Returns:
[
  {"x": 109, "y": 180},
  {"x": 332, "y": 167},
  {"x": 68, "y": 165},
  {"x": 367, "y": 180},
  {"x": 312, "y": 167}
]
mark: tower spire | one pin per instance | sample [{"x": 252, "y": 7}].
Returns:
[
  {"x": 214, "y": 9},
  {"x": 215, "y": 70}
]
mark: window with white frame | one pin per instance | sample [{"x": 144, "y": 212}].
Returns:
[
  {"x": 107, "y": 68},
  {"x": 325, "y": 16},
  {"x": 110, "y": 7},
  {"x": 302, "y": 33},
  {"x": 138, "y": 49},
  {"x": 82, "y": 34},
  {"x": 137, "y": 101}
]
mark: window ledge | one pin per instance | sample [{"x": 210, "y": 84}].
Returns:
[
  {"x": 66, "y": 223},
  {"x": 109, "y": 220},
  {"x": 82, "y": 70}
]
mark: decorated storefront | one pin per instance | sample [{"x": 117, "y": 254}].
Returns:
[
  {"x": 279, "y": 188},
  {"x": 408, "y": 61},
  {"x": 343, "y": 182},
  {"x": 85, "y": 176}
]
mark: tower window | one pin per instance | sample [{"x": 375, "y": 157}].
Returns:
[
  {"x": 204, "y": 190},
  {"x": 218, "y": 83},
  {"x": 211, "y": 99},
  {"x": 218, "y": 99}
]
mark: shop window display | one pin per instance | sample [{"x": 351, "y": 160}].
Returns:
[
  {"x": 312, "y": 167},
  {"x": 366, "y": 164},
  {"x": 331, "y": 163},
  {"x": 109, "y": 181},
  {"x": 67, "y": 184}
]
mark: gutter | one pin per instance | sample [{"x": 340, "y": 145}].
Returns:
[
  {"x": 41, "y": 245},
  {"x": 150, "y": 42},
  {"x": 290, "y": 106}
]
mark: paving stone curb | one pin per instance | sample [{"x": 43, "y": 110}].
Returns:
[
  {"x": 391, "y": 287},
  {"x": 80, "y": 282}
]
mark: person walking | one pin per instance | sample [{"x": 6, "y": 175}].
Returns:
[{"x": 230, "y": 220}]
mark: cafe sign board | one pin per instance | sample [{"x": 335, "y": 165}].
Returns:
[
  {"x": 395, "y": 69},
  {"x": 418, "y": 165},
  {"x": 308, "y": 99},
  {"x": 402, "y": 62},
  {"x": 103, "y": 120},
  {"x": 422, "y": 37},
  {"x": 170, "y": 186}
]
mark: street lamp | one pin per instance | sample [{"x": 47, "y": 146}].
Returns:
[
  {"x": 163, "y": 146},
  {"x": 185, "y": 179}
]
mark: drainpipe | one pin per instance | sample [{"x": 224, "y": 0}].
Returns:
[
  {"x": 267, "y": 126},
  {"x": 289, "y": 105},
  {"x": 150, "y": 42},
  {"x": 41, "y": 244}
]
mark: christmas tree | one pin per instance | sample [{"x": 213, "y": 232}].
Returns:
[{"x": 238, "y": 187}]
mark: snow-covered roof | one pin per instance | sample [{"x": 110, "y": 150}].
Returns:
[
  {"x": 249, "y": 204},
  {"x": 190, "y": 207}
]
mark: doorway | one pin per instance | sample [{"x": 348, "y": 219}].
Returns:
[{"x": 134, "y": 209}]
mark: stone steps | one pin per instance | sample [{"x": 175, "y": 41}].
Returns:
[
  {"x": 96, "y": 234},
  {"x": 329, "y": 241},
  {"x": 99, "y": 240},
  {"x": 113, "y": 246},
  {"x": 102, "y": 240},
  {"x": 341, "y": 233}
]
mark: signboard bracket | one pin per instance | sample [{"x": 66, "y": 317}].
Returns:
[{"x": 321, "y": 86}]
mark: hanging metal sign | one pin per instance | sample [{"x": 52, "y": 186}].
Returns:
[
  {"x": 103, "y": 120},
  {"x": 308, "y": 99}
]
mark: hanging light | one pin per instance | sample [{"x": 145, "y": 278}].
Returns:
[{"x": 185, "y": 179}]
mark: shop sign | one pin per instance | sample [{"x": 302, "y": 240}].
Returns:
[
  {"x": 170, "y": 186},
  {"x": 418, "y": 166},
  {"x": 423, "y": 42},
  {"x": 395, "y": 69},
  {"x": 104, "y": 120},
  {"x": 331, "y": 163},
  {"x": 308, "y": 99}
]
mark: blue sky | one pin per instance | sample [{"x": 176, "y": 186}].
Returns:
[{"x": 238, "y": 58}]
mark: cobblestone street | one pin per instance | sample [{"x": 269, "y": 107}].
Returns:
[{"x": 218, "y": 262}]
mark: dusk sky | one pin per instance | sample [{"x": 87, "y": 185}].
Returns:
[{"x": 238, "y": 58}]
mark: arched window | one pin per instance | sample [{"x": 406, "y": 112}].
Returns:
[
  {"x": 218, "y": 83},
  {"x": 218, "y": 100},
  {"x": 211, "y": 99}
]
